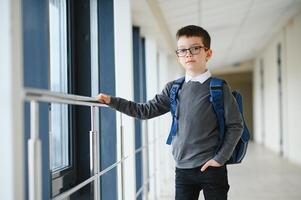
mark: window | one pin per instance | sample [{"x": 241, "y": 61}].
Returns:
[{"x": 59, "y": 131}]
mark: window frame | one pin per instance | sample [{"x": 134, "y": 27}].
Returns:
[{"x": 65, "y": 178}]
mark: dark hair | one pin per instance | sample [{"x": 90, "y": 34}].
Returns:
[{"x": 192, "y": 30}]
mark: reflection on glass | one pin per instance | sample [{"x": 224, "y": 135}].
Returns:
[{"x": 59, "y": 140}]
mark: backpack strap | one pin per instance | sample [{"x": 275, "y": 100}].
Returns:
[
  {"x": 173, "y": 107},
  {"x": 217, "y": 100},
  {"x": 246, "y": 134}
]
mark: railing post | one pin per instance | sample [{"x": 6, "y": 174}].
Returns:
[
  {"x": 145, "y": 168},
  {"x": 34, "y": 154},
  {"x": 94, "y": 155},
  {"x": 121, "y": 157}
]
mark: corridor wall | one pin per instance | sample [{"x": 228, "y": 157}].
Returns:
[{"x": 277, "y": 81}]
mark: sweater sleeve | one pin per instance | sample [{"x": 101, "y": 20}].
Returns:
[
  {"x": 159, "y": 105},
  {"x": 233, "y": 127}
]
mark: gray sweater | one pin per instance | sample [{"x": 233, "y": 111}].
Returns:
[{"x": 197, "y": 137}]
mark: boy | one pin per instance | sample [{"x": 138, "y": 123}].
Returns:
[{"x": 199, "y": 166}]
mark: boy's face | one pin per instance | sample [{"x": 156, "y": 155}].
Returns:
[{"x": 193, "y": 60}]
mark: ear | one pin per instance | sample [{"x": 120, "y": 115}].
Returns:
[{"x": 208, "y": 54}]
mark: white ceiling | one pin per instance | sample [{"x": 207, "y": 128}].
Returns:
[{"x": 238, "y": 28}]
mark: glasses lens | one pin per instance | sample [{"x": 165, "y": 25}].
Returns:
[
  {"x": 181, "y": 52},
  {"x": 195, "y": 50}
]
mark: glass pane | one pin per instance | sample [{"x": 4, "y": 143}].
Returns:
[{"x": 59, "y": 141}]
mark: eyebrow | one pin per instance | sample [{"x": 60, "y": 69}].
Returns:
[{"x": 194, "y": 44}]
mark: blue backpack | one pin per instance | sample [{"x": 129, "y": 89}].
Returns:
[{"x": 216, "y": 98}]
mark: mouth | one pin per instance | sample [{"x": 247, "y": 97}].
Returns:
[{"x": 190, "y": 61}]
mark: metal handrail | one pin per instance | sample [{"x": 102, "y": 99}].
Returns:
[
  {"x": 87, "y": 181},
  {"x": 141, "y": 149},
  {"x": 39, "y": 95},
  {"x": 34, "y": 143},
  {"x": 31, "y": 94},
  {"x": 144, "y": 184}
]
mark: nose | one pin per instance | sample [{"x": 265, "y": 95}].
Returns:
[{"x": 188, "y": 53}]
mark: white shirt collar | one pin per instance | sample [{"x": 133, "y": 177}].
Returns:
[{"x": 199, "y": 78}]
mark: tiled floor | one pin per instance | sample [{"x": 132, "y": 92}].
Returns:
[{"x": 263, "y": 175}]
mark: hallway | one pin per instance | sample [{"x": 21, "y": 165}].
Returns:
[
  {"x": 263, "y": 175},
  {"x": 60, "y": 143}
]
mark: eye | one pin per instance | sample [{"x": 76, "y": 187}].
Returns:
[
  {"x": 195, "y": 48},
  {"x": 180, "y": 51}
]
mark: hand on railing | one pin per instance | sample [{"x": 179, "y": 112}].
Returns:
[{"x": 103, "y": 98}]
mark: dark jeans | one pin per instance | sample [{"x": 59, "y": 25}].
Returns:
[{"x": 213, "y": 181}]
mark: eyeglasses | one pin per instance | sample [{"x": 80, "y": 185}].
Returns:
[{"x": 193, "y": 50}]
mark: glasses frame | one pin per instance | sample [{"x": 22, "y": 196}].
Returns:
[{"x": 189, "y": 49}]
